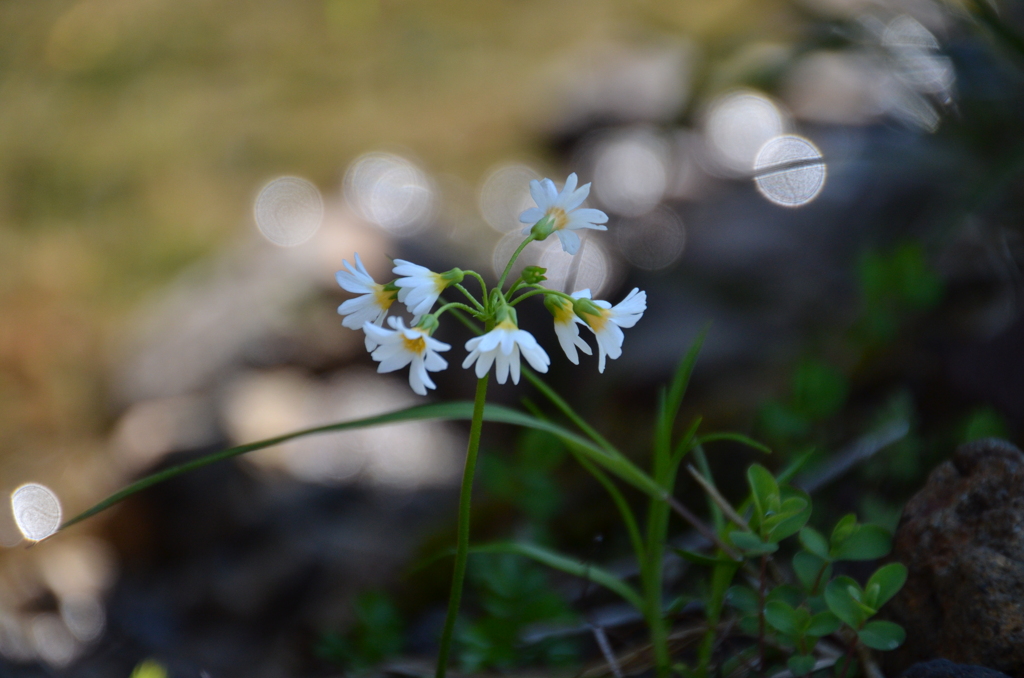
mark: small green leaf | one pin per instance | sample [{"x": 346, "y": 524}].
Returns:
[
  {"x": 889, "y": 579},
  {"x": 801, "y": 664},
  {"x": 762, "y": 487},
  {"x": 822, "y": 624},
  {"x": 812, "y": 571},
  {"x": 782, "y": 617},
  {"x": 736, "y": 438},
  {"x": 702, "y": 558},
  {"x": 751, "y": 545},
  {"x": 743, "y": 598},
  {"x": 787, "y": 593},
  {"x": 864, "y": 542},
  {"x": 794, "y": 513},
  {"x": 882, "y": 635},
  {"x": 813, "y": 541},
  {"x": 843, "y": 529},
  {"x": 842, "y": 604}
]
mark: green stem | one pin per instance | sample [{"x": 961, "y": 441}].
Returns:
[
  {"x": 455, "y": 304},
  {"x": 565, "y": 409},
  {"x": 652, "y": 576},
  {"x": 515, "y": 255},
  {"x": 480, "y": 279},
  {"x": 462, "y": 543},
  {"x": 479, "y": 306}
]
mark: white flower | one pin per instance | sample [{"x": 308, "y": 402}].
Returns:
[
  {"x": 566, "y": 322},
  {"x": 419, "y": 287},
  {"x": 563, "y": 209},
  {"x": 404, "y": 346},
  {"x": 606, "y": 325},
  {"x": 502, "y": 346},
  {"x": 371, "y": 307}
]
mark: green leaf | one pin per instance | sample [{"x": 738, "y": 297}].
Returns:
[
  {"x": 568, "y": 565},
  {"x": 889, "y": 579},
  {"x": 608, "y": 457},
  {"x": 751, "y": 544},
  {"x": 864, "y": 542},
  {"x": 882, "y": 635},
  {"x": 814, "y": 542},
  {"x": 812, "y": 571},
  {"x": 671, "y": 402},
  {"x": 787, "y": 593},
  {"x": 801, "y": 664},
  {"x": 795, "y": 466},
  {"x": 842, "y": 604},
  {"x": 763, "y": 488},
  {"x": 846, "y": 526},
  {"x": 736, "y": 438},
  {"x": 743, "y": 598},
  {"x": 793, "y": 514},
  {"x": 819, "y": 390},
  {"x": 822, "y": 624},
  {"x": 702, "y": 558},
  {"x": 782, "y": 617}
]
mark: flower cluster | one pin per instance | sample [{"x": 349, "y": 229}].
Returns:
[{"x": 501, "y": 342}]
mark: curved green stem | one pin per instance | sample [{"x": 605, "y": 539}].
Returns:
[
  {"x": 479, "y": 306},
  {"x": 456, "y": 304},
  {"x": 515, "y": 255},
  {"x": 539, "y": 290},
  {"x": 462, "y": 540},
  {"x": 480, "y": 279}
]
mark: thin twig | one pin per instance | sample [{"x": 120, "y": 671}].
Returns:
[
  {"x": 606, "y": 650},
  {"x": 717, "y": 497},
  {"x": 703, "y": 529}
]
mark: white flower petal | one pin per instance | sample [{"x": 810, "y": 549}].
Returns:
[
  {"x": 570, "y": 241},
  {"x": 531, "y": 216}
]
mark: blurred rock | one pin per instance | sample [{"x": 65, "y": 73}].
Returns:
[
  {"x": 961, "y": 539},
  {"x": 943, "y": 668}
]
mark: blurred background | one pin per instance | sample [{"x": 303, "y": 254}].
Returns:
[{"x": 834, "y": 184}]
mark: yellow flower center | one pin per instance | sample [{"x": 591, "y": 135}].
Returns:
[
  {"x": 597, "y": 322},
  {"x": 383, "y": 298},
  {"x": 440, "y": 284},
  {"x": 560, "y": 217},
  {"x": 506, "y": 325},
  {"x": 563, "y": 313},
  {"x": 417, "y": 345}
]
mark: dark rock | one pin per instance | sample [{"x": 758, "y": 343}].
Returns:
[
  {"x": 943, "y": 668},
  {"x": 962, "y": 540}
]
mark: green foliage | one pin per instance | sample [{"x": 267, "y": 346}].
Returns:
[
  {"x": 983, "y": 422},
  {"x": 149, "y": 669},
  {"x": 895, "y": 284},
  {"x": 377, "y": 634},
  {"x": 799, "y": 616},
  {"x": 513, "y": 594},
  {"x": 525, "y": 481}
]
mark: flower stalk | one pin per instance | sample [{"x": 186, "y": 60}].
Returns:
[{"x": 462, "y": 538}]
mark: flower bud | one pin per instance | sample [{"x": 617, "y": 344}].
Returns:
[
  {"x": 428, "y": 323},
  {"x": 506, "y": 313},
  {"x": 543, "y": 228},
  {"x": 453, "y": 277},
  {"x": 532, "y": 275},
  {"x": 584, "y": 308}
]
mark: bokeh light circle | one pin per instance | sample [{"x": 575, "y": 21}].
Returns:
[
  {"x": 36, "y": 510},
  {"x": 789, "y": 171},
  {"x": 737, "y": 125},
  {"x": 505, "y": 194},
  {"x": 289, "y": 211},
  {"x": 590, "y": 268},
  {"x": 653, "y": 241},
  {"x": 630, "y": 172},
  {"x": 390, "y": 191}
]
